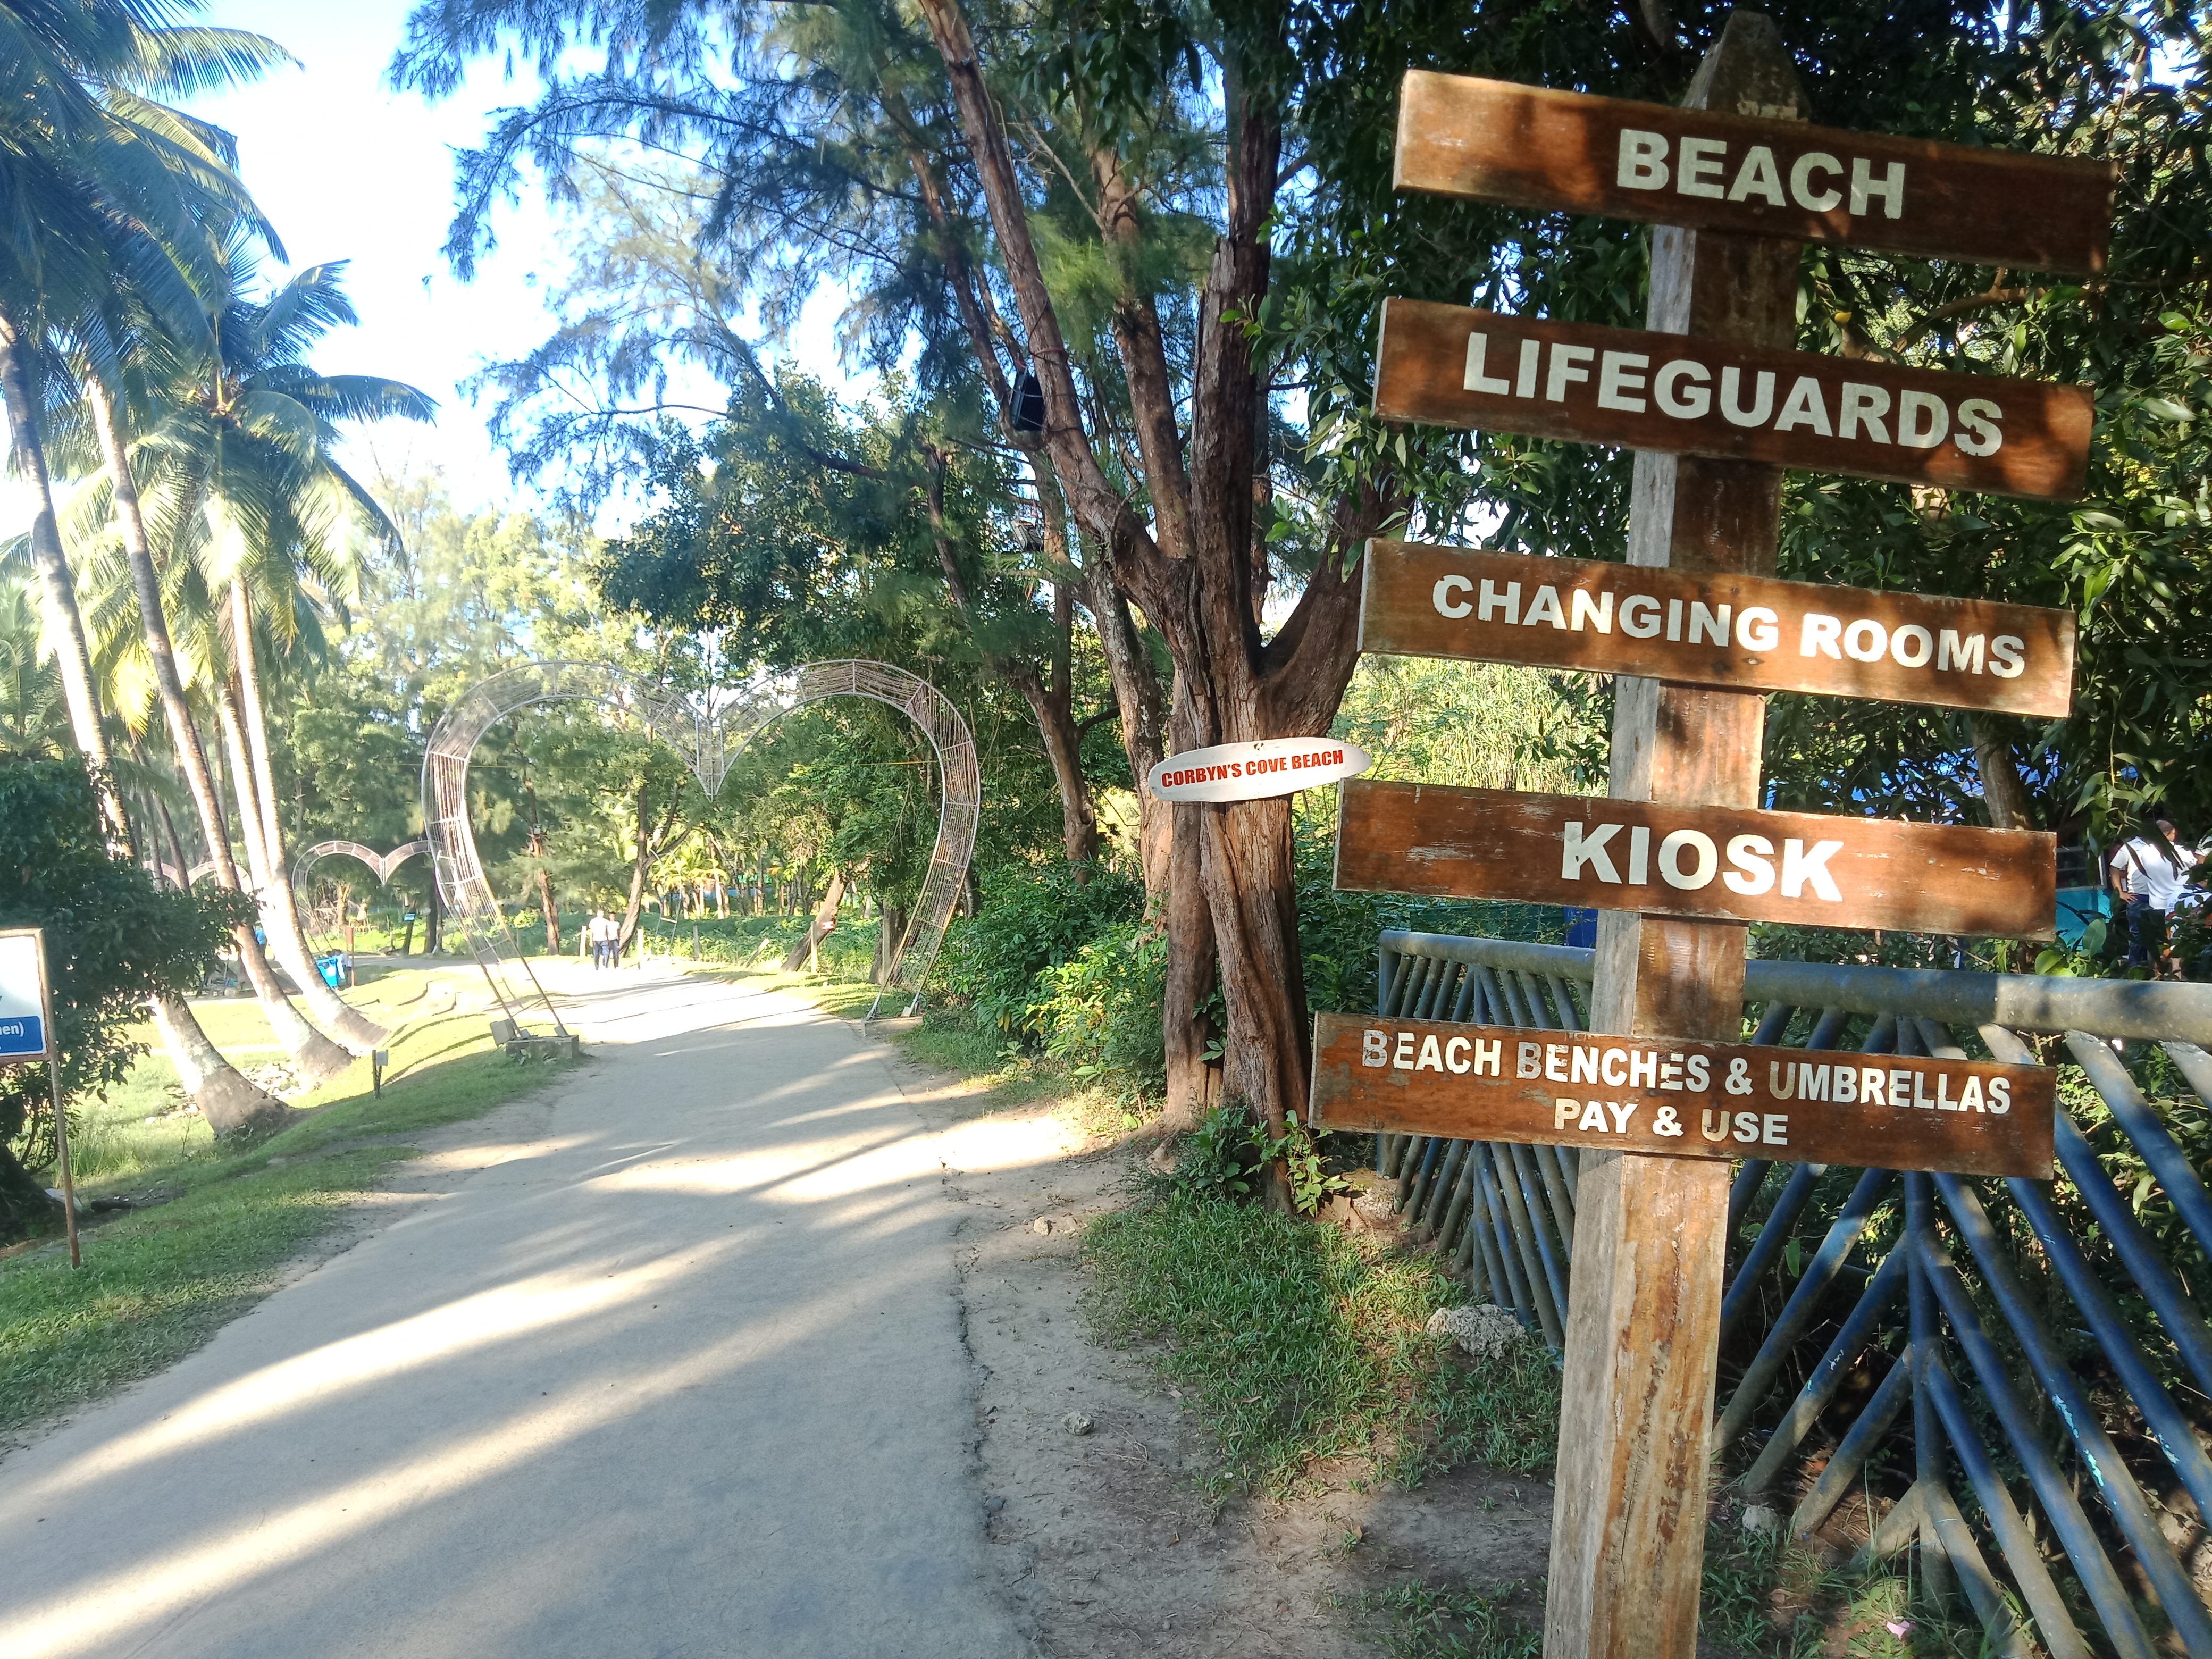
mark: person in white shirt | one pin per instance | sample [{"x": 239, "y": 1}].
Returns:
[{"x": 2148, "y": 875}]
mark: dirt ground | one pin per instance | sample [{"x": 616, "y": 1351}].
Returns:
[{"x": 1108, "y": 1550}]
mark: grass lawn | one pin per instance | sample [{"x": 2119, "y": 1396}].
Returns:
[{"x": 158, "y": 1282}]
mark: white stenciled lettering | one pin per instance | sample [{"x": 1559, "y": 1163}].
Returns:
[
  {"x": 1639, "y": 855},
  {"x": 1708, "y": 626},
  {"x": 1821, "y": 636},
  {"x": 1674, "y": 619},
  {"x": 1803, "y": 191},
  {"x": 1642, "y": 164},
  {"x": 1978, "y": 417},
  {"x": 1713, "y": 1130},
  {"x": 1555, "y": 1062},
  {"x": 1432, "y": 1057},
  {"x": 1477, "y": 346},
  {"x": 1639, "y": 615},
  {"x": 1746, "y": 1127},
  {"x": 1698, "y": 167},
  {"x": 1587, "y": 850},
  {"x": 1759, "y": 176},
  {"x": 1565, "y": 1112},
  {"x": 1491, "y": 601},
  {"x": 1862, "y": 406},
  {"x": 2000, "y": 1096},
  {"x": 1402, "y": 1058},
  {"x": 1774, "y": 1130},
  {"x": 1593, "y": 1119},
  {"x": 1620, "y": 381},
  {"x": 1666, "y": 390},
  {"x": 1804, "y": 407},
  {"x": 1779, "y": 1074},
  {"x": 1613, "y": 1068},
  {"x": 1375, "y": 1047},
  {"x": 1911, "y": 645},
  {"x": 1524, "y": 377},
  {"x": 1698, "y": 1074},
  {"x": 1622, "y": 1111},
  {"x": 1865, "y": 187},
  {"x": 1707, "y": 860},
  {"x": 1456, "y": 1059},
  {"x": 1446, "y": 596},
  {"x": 1753, "y": 859},
  {"x": 1952, "y": 652},
  {"x": 1566, "y": 361},
  {"x": 1924, "y": 420},
  {"x": 1758, "y": 628},
  {"x": 1866, "y": 641},
  {"x": 1596, "y": 612},
  {"x": 1642, "y": 1068},
  {"x": 1583, "y": 1065},
  {"x": 1762, "y": 402},
  {"x": 1530, "y": 1060},
  {"x": 1544, "y": 608},
  {"x": 1489, "y": 1057},
  {"x": 1800, "y": 866},
  {"x": 2007, "y": 657}
]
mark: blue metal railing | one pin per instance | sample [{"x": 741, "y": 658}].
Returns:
[{"x": 2024, "y": 1362}]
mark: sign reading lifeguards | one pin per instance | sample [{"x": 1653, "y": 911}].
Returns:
[
  {"x": 1742, "y": 633},
  {"x": 1532, "y": 147},
  {"x": 1678, "y": 1097},
  {"x": 1674, "y": 394},
  {"x": 1251, "y": 771}
]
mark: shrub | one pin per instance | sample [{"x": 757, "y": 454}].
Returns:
[
  {"x": 1032, "y": 918},
  {"x": 1098, "y": 1013}
]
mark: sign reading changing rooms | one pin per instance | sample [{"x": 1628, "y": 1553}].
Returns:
[{"x": 22, "y": 999}]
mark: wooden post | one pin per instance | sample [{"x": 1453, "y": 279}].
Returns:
[{"x": 1629, "y": 1517}]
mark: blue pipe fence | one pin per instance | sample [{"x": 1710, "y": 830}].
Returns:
[{"x": 2044, "y": 1377}]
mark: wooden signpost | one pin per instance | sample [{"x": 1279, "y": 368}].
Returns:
[
  {"x": 1730, "y": 863},
  {"x": 1710, "y": 169},
  {"x": 1715, "y": 400},
  {"x": 1656, "y": 391},
  {"x": 1678, "y": 1097},
  {"x": 1746, "y": 633}
]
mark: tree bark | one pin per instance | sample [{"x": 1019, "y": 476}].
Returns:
[
  {"x": 648, "y": 844},
  {"x": 315, "y": 1058},
  {"x": 1193, "y": 568},
  {"x": 231, "y": 1104},
  {"x": 2004, "y": 791},
  {"x": 56, "y": 591},
  {"x": 280, "y": 911},
  {"x": 817, "y": 929}
]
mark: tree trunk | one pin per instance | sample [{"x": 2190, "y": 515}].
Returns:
[
  {"x": 647, "y": 842},
  {"x": 230, "y": 1103},
  {"x": 890, "y": 934},
  {"x": 825, "y": 918},
  {"x": 314, "y": 1056},
  {"x": 2003, "y": 792},
  {"x": 551, "y": 911},
  {"x": 1194, "y": 1084},
  {"x": 56, "y": 591},
  {"x": 1143, "y": 721},
  {"x": 280, "y": 911}
]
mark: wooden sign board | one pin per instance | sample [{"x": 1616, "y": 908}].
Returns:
[
  {"x": 1673, "y": 394},
  {"x": 1530, "y": 147},
  {"x": 1676, "y": 1097},
  {"x": 1742, "y": 633},
  {"x": 1718, "y": 862}
]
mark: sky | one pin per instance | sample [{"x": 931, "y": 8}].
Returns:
[{"x": 348, "y": 170}]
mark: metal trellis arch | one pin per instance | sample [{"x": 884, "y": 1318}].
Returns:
[{"x": 709, "y": 738}]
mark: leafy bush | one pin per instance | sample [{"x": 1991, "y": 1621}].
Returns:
[
  {"x": 1098, "y": 1013},
  {"x": 1032, "y": 918},
  {"x": 1223, "y": 1156}
]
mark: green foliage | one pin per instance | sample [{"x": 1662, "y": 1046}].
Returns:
[
  {"x": 1097, "y": 1014},
  {"x": 1032, "y": 919},
  {"x": 1227, "y": 1156},
  {"x": 113, "y": 939},
  {"x": 1303, "y": 1342},
  {"x": 1422, "y": 1622}
]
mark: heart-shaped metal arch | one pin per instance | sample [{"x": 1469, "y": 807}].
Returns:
[
  {"x": 382, "y": 863},
  {"x": 709, "y": 736}
]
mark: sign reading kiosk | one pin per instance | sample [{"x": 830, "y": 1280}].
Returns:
[
  {"x": 23, "y": 1029},
  {"x": 1734, "y": 864}
]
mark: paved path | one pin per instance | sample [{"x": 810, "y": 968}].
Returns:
[{"x": 670, "y": 1365}]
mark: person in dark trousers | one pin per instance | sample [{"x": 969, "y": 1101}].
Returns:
[{"x": 2148, "y": 872}]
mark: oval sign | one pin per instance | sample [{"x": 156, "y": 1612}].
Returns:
[{"x": 1248, "y": 771}]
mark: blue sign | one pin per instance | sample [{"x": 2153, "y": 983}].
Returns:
[
  {"x": 22, "y": 1036},
  {"x": 22, "y": 998}
]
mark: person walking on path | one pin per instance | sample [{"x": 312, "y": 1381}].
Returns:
[
  {"x": 604, "y": 935},
  {"x": 2147, "y": 874}
]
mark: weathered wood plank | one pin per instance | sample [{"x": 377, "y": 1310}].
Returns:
[
  {"x": 1532, "y": 147},
  {"x": 1723, "y": 629},
  {"x": 1736, "y": 864},
  {"x": 1664, "y": 394},
  {"x": 1679, "y": 1096}
]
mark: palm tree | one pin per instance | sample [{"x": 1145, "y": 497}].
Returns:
[
  {"x": 238, "y": 476},
  {"x": 108, "y": 186}
]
